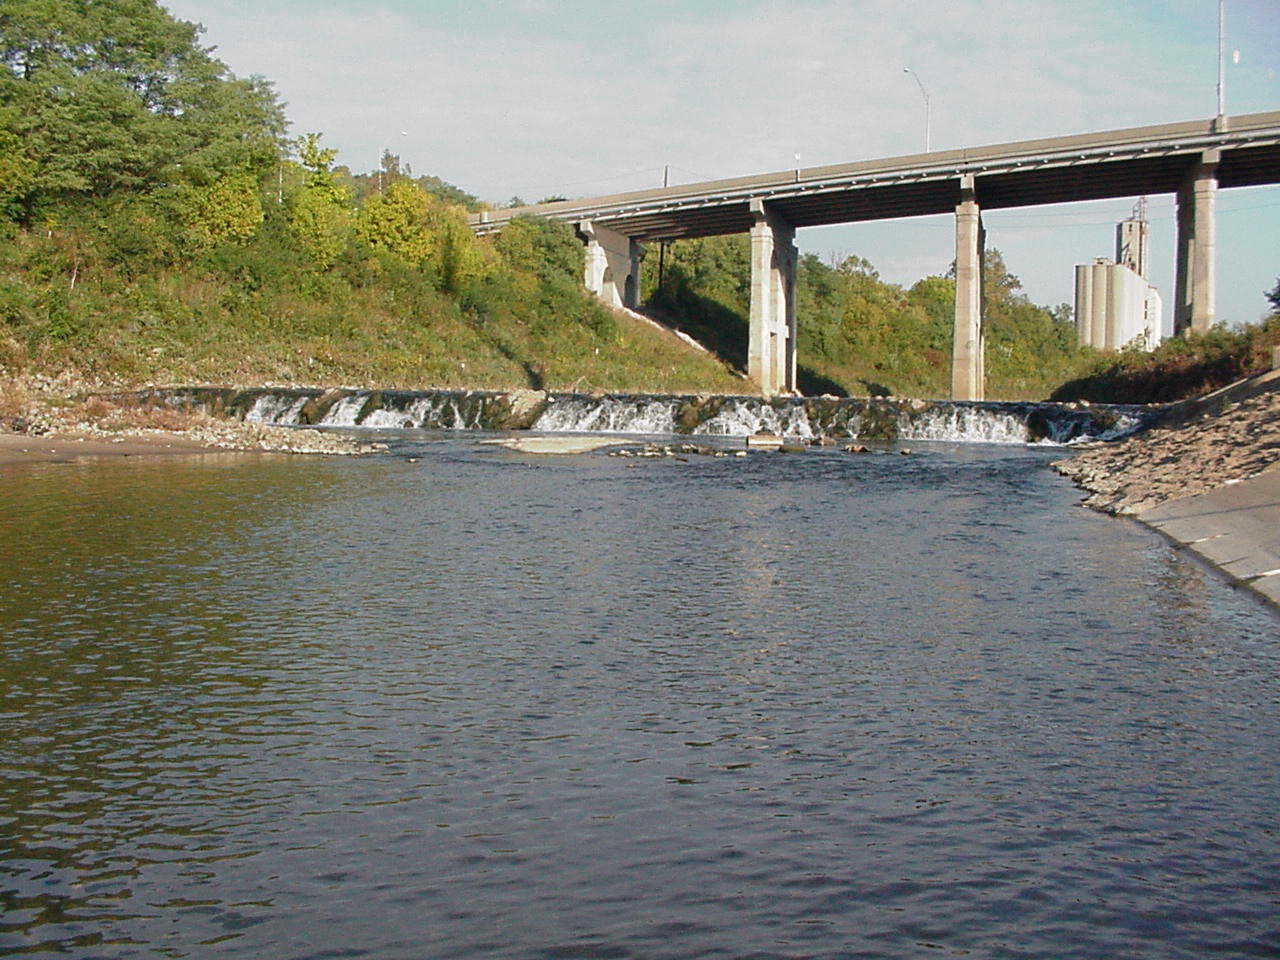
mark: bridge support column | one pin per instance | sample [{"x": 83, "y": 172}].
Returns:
[
  {"x": 612, "y": 270},
  {"x": 968, "y": 376},
  {"x": 1193, "y": 307},
  {"x": 771, "y": 340}
]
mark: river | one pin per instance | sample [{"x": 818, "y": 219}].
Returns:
[{"x": 458, "y": 701}]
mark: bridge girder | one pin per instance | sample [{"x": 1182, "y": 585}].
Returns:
[{"x": 1123, "y": 163}]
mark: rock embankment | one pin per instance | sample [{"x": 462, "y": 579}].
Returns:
[{"x": 1197, "y": 446}]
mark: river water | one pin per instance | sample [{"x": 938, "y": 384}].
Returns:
[{"x": 457, "y": 701}]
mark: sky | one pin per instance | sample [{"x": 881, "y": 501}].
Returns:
[{"x": 534, "y": 98}]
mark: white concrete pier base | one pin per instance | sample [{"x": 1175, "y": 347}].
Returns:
[
  {"x": 968, "y": 377},
  {"x": 1193, "y": 307},
  {"x": 771, "y": 352},
  {"x": 612, "y": 265}
]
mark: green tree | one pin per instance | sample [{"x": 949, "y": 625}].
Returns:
[
  {"x": 320, "y": 215},
  {"x": 1274, "y": 296},
  {"x": 398, "y": 220},
  {"x": 16, "y": 174},
  {"x": 461, "y": 259},
  {"x": 108, "y": 95},
  {"x": 228, "y": 210},
  {"x": 423, "y": 231},
  {"x": 546, "y": 248},
  {"x": 998, "y": 284}
]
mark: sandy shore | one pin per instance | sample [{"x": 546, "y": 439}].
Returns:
[{"x": 17, "y": 448}]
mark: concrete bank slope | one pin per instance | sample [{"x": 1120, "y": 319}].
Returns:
[
  {"x": 1234, "y": 527},
  {"x": 1207, "y": 477}
]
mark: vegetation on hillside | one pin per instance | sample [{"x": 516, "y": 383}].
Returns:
[
  {"x": 1187, "y": 366},
  {"x": 156, "y": 226}
]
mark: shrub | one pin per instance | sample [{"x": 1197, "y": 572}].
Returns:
[{"x": 228, "y": 211}]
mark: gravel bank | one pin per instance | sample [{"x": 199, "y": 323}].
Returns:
[
  {"x": 1199, "y": 445},
  {"x": 53, "y": 419}
]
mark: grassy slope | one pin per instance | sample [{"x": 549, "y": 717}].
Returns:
[{"x": 191, "y": 324}]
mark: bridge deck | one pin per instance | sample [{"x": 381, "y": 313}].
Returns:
[{"x": 1093, "y": 166}]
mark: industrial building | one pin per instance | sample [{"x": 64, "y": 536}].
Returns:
[{"x": 1115, "y": 304}]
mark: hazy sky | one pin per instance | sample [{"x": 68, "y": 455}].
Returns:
[{"x": 539, "y": 97}]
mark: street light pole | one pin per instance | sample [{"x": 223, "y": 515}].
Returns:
[
  {"x": 927, "y": 117},
  {"x": 662, "y": 244},
  {"x": 1222, "y": 77}
]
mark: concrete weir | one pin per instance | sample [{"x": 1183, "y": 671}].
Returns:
[
  {"x": 1191, "y": 160},
  {"x": 722, "y": 415}
]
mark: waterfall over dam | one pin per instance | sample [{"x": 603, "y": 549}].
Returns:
[{"x": 799, "y": 417}]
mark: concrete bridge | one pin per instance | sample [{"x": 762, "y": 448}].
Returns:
[{"x": 1192, "y": 160}]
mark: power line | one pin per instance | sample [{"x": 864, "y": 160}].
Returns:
[
  {"x": 1046, "y": 224},
  {"x": 606, "y": 179}
]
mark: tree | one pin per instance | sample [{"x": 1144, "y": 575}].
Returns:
[
  {"x": 16, "y": 174},
  {"x": 854, "y": 265},
  {"x": 398, "y": 221},
  {"x": 320, "y": 214},
  {"x": 461, "y": 259},
  {"x": 1274, "y": 296},
  {"x": 998, "y": 284},
  {"x": 109, "y": 95},
  {"x": 227, "y": 211},
  {"x": 317, "y": 161}
]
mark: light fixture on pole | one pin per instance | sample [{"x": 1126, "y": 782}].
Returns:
[
  {"x": 927, "y": 117},
  {"x": 1222, "y": 76}
]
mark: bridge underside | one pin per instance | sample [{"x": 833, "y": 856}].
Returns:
[{"x": 1191, "y": 160}]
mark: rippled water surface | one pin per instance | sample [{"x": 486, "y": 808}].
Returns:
[{"x": 480, "y": 704}]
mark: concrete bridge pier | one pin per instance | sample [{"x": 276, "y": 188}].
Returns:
[
  {"x": 1193, "y": 307},
  {"x": 771, "y": 338},
  {"x": 613, "y": 262},
  {"x": 968, "y": 374}
]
